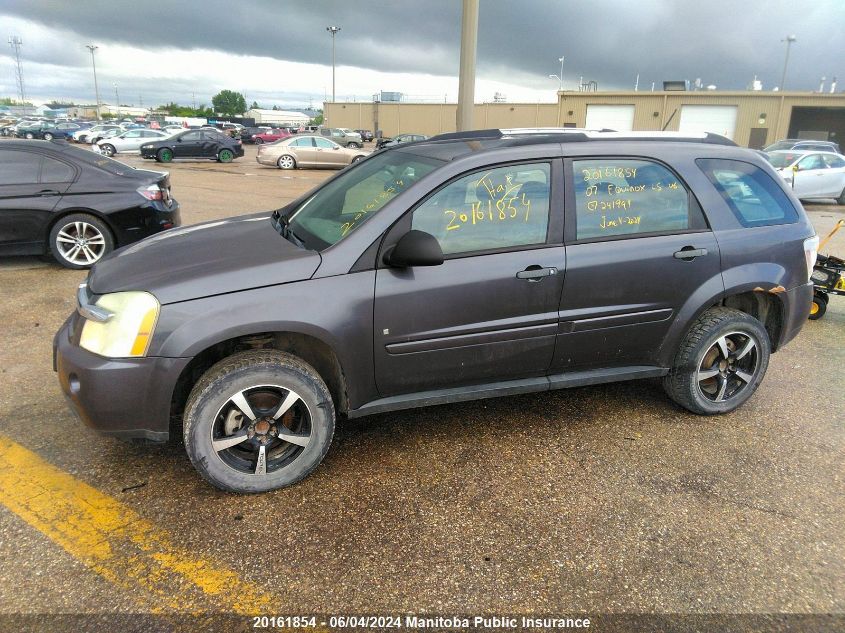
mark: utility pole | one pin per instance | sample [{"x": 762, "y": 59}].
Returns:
[
  {"x": 789, "y": 39},
  {"x": 333, "y": 30},
  {"x": 117, "y": 99},
  {"x": 466, "y": 80},
  {"x": 92, "y": 48},
  {"x": 15, "y": 42}
]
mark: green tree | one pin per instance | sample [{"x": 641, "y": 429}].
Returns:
[
  {"x": 254, "y": 106},
  {"x": 317, "y": 120},
  {"x": 229, "y": 102}
]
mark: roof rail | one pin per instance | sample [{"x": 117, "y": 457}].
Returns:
[{"x": 569, "y": 135}]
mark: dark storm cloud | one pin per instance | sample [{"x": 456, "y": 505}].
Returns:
[{"x": 724, "y": 42}]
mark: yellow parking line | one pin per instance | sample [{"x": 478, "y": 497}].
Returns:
[{"x": 114, "y": 541}]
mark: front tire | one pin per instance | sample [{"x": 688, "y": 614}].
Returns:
[
  {"x": 259, "y": 141},
  {"x": 108, "y": 150},
  {"x": 258, "y": 421},
  {"x": 164, "y": 155},
  {"x": 354, "y": 145},
  {"x": 48, "y": 136},
  {"x": 29, "y": 135},
  {"x": 720, "y": 363},
  {"x": 80, "y": 240}
]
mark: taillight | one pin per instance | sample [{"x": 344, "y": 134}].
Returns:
[
  {"x": 811, "y": 251},
  {"x": 153, "y": 192}
]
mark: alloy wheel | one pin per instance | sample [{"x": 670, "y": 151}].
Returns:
[
  {"x": 728, "y": 367},
  {"x": 81, "y": 243},
  {"x": 261, "y": 429},
  {"x": 286, "y": 162}
]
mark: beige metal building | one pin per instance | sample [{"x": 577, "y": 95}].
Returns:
[{"x": 751, "y": 118}]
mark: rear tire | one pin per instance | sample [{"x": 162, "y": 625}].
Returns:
[
  {"x": 286, "y": 162},
  {"x": 225, "y": 156},
  {"x": 48, "y": 136},
  {"x": 224, "y": 441},
  {"x": 720, "y": 363},
  {"x": 818, "y": 307},
  {"x": 82, "y": 230},
  {"x": 259, "y": 141}
]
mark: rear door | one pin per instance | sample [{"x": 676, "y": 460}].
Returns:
[
  {"x": 638, "y": 247},
  {"x": 489, "y": 312},
  {"x": 306, "y": 151},
  {"x": 28, "y": 196}
]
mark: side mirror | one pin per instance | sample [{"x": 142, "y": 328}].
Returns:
[
  {"x": 796, "y": 168},
  {"x": 415, "y": 248}
]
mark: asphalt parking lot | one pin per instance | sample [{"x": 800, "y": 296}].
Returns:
[{"x": 590, "y": 500}]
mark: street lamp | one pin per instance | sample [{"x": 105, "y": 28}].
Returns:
[
  {"x": 92, "y": 48},
  {"x": 117, "y": 99},
  {"x": 789, "y": 39},
  {"x": 333, "y": 30}
]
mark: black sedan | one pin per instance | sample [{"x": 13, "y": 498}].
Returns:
[
  {"x": 398, "y": 140},
  {"x": 75, "y": 204},
  {"x": 194, "y": 144}
]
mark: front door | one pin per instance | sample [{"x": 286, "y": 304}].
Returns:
[
  {"x": 329, "y": 153},
  {"x": 638, "y": 247},
  {"x": 489, "y": 312},
  {"x": 188, "y": 145}
]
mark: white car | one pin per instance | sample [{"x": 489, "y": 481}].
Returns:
[
  {"x": 86, "y": 134},
  {"x": 811, "y": 174},
  {"x": 128, "y": 142}
]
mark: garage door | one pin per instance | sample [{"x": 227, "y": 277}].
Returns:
[
  {"x": 611, "y": 117},
  {"x": 706, "y": 118}
]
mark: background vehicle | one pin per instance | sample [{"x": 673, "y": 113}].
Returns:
[
  {"x": 798, "y": 144},
  {"x": 366, "y": 135},
  {"x": 129, "y": 141},
  {"x": 93, "y": 133},
  {"x": 247, "y": 133},
  {"x": 206, "y": 143},
  {"x": 49, "y": 131},
  {"x": 398, "y": 140},
  {"x": 307, "y": 151},
  {"x": 270, "y": 136},
  {"x": 61, "y": 199},
  {"x": 329, "y": 306},
  {"x": 812, "y": 175},
  {"x": 342, "y": 136}
]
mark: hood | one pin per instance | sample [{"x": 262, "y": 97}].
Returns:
[{"x": 205, "y": 259}]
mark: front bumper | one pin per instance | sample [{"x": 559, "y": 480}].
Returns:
[
  {"x": 126, "y": 397},
  {"x": 796, "y": 302}
]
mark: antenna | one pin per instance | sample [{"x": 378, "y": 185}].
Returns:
[{"x": 15, "y": 42}]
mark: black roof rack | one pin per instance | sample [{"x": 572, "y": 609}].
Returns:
[{"x": 560, "y": 135}]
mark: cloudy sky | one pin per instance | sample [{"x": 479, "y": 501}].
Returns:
[{"x": 278, "y": 51}]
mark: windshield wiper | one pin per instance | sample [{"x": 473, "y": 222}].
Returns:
[{"x": 282, "y": 226}]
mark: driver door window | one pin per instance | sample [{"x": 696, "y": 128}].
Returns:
[{"x": 493, "y": 209}]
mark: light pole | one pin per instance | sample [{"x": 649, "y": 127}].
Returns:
[
  {"x": 333, "y": 30},
  {"x": 789, "y": 39},
  {"x": 92, "y": 48},
  {"x": 117, "y": 99},
  {"x": 466, "y": 77},
  {"x": 560, "y": 59}
]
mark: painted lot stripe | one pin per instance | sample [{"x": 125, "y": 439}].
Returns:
[{"x": 115, "y": 542}]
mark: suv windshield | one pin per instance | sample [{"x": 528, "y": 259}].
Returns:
[{"x": 354, "y": 196}]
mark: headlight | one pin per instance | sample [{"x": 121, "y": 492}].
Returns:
[
  {"x": 146, "y": 146},
  {"x": 128, "y": 331}
]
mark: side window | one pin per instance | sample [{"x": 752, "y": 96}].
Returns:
[
  {"x": 19, "y": 168},
  {"x": 192, "y": 136},
  {"x": 53, "y": 170},
  {"x": 496, "y": 208},
  {"x": 834, "y": 162},
  {"x": 324, "y": 143},
  {"x": 132, "y": 134},
  {"x": 753, "y": 196},
  {"x": 813, "y": 161},
  {"x": 303, "y": 142},
  {"x": 619, "y": 197}
]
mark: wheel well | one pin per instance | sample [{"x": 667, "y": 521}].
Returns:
[
  {"x": 763, "y": 306},
  {"x": 66, "y": 212},
  {"x": 312, "y": 350}
]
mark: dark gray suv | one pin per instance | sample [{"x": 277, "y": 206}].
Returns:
[{"x": 465, "y": 266}]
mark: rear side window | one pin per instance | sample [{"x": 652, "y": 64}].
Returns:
[
  {"x": 753, "y": 196},
  {"x": 623, "y": 197},
  {"x": 19, "y": 168},
  {"x": 56, "y": 171}
]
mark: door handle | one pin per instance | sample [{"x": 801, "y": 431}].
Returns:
[
  {"x": 536, "y": 273},
  {"x": 48, "y": 192},
  {"x": 689, "y": 252}
]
